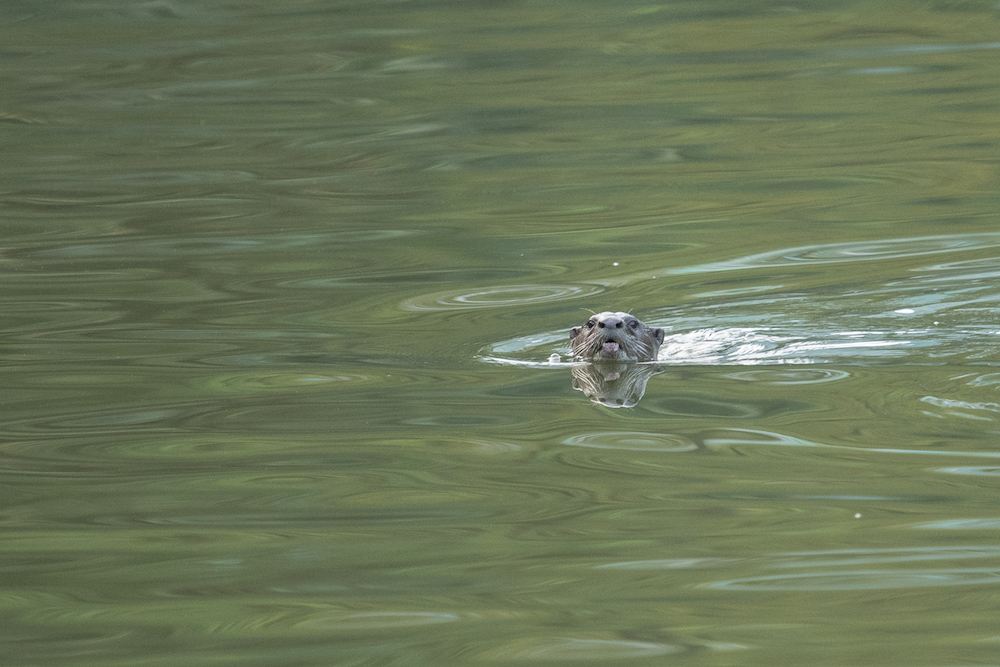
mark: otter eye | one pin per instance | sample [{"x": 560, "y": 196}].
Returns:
[
  {"x": 634, "y": 324},
  {"x": 590, "y": 324}
]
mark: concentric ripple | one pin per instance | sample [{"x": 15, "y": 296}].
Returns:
[
  {"x": 856, "y": 251},
  {"x": 633, "y": 441},
  {"x": 790, "y": 375},
  {"x": 500, "y": 296},
  {"x": 863, "y": 580}
]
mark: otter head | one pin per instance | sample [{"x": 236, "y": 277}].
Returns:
[{"x": 611, "y": 336}]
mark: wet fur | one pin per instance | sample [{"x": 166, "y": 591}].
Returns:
[{"x": 636, "y": 341}]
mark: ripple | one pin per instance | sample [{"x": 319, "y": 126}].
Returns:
[
  {"x": 770, "y": 345},
  {"x": 697, "y": 406},
  {"x": 242, "y": 383},
  {"x": 853, "y": 577},
  {"x": 377, "y": 621},
  {"x": 862, "y": 580},
  {"x": 633, "y": 441},
  {"x": 220, "y": 245},
  {"x": 981, "y": 471},
  {"x": 857, "y": 251},
  {"x": 878, "y": 71},
  {"x": 500, "y": 296},
  {"x": 961, "y": 524},
  {"x": 172, "y": 178},
  {"x": 668, "y": 564},
  {"x": 909, "y": 49},
  {"x": 723, "y": 345},
  {"x": 605, "y": 461},
  {"x": 790, "y": 376},
  {"x": 966, "y": 270},
  {"x": 465, "y": 419},
  {"x": 389, "y": 277},
  {"x": 963, "y": 409},
  {"x": 737, "y": 437},
  {"x": 835, "y": 557},
  {"x": 987, "y": 380},
  {"x": 576, "y": 650},
  {"x": 549, "y": 344},
  {"x": 118, "y": 460}
]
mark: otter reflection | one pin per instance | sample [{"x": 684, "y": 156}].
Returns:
[
  {"x": 614, "y": 342},
  {"x": 613, "y": 384}
]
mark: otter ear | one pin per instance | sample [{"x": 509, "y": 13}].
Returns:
[
  {"x": 658, "y": 335},
  {"x": 574, "y": 332}
]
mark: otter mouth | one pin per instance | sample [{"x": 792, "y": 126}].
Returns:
[{"x": 610, "y": 347}]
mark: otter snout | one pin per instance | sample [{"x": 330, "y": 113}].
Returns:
[{"x": 609, "y": 345}]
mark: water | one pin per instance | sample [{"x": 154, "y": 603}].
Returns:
[{"x": 282, "y": 286}]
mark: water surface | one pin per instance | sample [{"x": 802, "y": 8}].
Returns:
[{"x": 283, "y": 286}]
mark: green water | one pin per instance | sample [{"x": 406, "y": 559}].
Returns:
[{"x": 282, "y": 284}]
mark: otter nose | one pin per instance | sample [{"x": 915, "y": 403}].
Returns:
[{"x": 611, "y": 322}]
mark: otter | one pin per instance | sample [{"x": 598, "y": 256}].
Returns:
[{"x": 611, "y": 336}]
